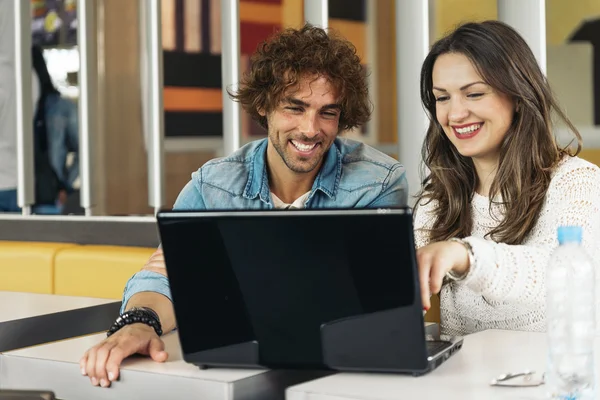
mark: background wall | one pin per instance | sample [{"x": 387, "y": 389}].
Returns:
[
  {"x": 192, "y": 95},
  {"x": 123, "y": 159}
]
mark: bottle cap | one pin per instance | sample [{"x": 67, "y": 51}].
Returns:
[{"x": 569, "y": 234}]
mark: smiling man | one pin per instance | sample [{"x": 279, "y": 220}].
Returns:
[{"x": 304, "y": 88}]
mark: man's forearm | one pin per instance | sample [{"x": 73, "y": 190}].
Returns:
[{"x": 159, "y": 303}]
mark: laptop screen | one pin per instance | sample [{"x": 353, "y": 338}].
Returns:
[{"x": 277, "y": 277}]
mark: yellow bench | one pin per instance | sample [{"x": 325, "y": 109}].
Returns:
[
  {"x": 29, "y": 266},
  {"x": 82, "y": 270},
  {"x": 97, "y": 271},
  {"x": 69, "y": 269}
]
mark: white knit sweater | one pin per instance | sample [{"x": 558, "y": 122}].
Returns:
[{"x": 505, "y": 289}]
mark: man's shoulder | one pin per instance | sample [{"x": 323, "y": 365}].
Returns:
[
  {"x": 355, "y": 153},
  {"x": 369, "y": 177},
  {"x": 230, "y": 172}
]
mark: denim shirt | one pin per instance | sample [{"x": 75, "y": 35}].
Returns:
[
  {"x": 62, "y": 128},
  {"x": 353, "y": 175}
]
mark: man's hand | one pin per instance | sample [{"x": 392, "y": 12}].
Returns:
[
  {"x": 101, "y": 363},
  {"x": 434, "y": 261},
  {"x": 156, "y": 263}
]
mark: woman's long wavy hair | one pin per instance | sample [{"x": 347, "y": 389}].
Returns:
[{"x": 528, "y": 154}]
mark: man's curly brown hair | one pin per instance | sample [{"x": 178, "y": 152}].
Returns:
[{"x": 285, "y": 58}]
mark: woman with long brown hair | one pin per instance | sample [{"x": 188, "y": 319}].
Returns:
[{"x": 498, "y": 185}]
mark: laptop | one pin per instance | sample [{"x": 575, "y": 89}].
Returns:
[{"x": 301, "y": 289}]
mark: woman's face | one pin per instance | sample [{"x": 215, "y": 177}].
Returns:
[{"x": 474, "y": 116}]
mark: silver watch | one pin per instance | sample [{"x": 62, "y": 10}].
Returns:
[{"x": 450, "y": 274}]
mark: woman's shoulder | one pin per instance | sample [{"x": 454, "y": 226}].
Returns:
[
  {"x": 423, "y": 220},
  {"x": 425, "y": 204},
  {"x": 575, "y": 169},
  {"x": 424, "y": 211},
  {"x": 574, "y": 179}
]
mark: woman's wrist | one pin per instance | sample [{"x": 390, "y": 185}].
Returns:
[{"x": 460, "y": 271}]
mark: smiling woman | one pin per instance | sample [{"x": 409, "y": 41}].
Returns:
[
  {"x": 499, "y": 185},
  {"x": 474, "y": 116}
]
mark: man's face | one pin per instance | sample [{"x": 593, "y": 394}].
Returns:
[{"x": 304, "y": 125}]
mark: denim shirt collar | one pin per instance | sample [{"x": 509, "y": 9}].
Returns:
[{"x": 326, "y": 181}]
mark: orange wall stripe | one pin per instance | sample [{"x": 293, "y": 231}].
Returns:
[
  {"x": 261, "y": 13},
  {"x": 292, "y": 13},
  {"x": 192, "y": 99},
  {"x": 355, "y": 32}
]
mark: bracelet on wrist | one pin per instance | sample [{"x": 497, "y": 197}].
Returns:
[
  {"x": 459, "y": 277},
  {"x": 143, "y": 315}
]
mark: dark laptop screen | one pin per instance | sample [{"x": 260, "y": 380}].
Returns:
[{"x": 279, "y": 276}]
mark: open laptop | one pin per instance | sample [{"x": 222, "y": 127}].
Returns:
[{"x": 307, "y": 289}]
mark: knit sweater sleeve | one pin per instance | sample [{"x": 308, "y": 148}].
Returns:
[
  {"x": 516, "y": 273},
  {"x": 423, "y": 221}
]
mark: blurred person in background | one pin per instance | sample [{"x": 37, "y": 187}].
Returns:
[
  {"x": 56, "y": 134},
  {"x": 55, "y": 129}
]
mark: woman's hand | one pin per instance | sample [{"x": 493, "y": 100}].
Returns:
[{"x": 434, "y": 261}]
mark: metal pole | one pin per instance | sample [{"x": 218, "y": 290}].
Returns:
[
  {"x": 23, "y": 68},
  {"x": 372, "y": 51},
  {"x": 88, "y": 93},
  {"x": 151, "y": 12},
  {"x": 230, "y": 70},
  {"x": 316, "y": 12},
  {"x": 412, "y": 45},
  {"x": 529, "y": 19}
]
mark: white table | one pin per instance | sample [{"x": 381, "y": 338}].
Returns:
[
  {"x": 28, "y": 319},
  {"x": 466, "y": 375},
  {"x": 17, "y": 305},
  {"x": 55, "y": 367}
]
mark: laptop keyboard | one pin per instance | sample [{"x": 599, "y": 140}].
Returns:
[{"x": 436, "y": 346}]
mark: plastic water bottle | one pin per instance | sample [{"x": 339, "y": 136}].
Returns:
[{"x": 571, "y": 314}]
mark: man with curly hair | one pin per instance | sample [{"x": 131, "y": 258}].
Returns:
[{"x": 304, "y": 88}]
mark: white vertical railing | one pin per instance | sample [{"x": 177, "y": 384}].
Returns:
[
  {"x": 412, "y": 46},
  {"x": 372, "y": 51},
  {"x": 230, "y": 72},
  {"x": 24, "y": 103},
  {"x": 152, "y": 101},
  {"x": 88, "y": 95},
  {"x": 529, "y": 19},
  {"x": 316, "y": 12}
]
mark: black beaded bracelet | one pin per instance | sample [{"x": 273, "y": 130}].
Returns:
[{"x": 135, "y": 315}]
